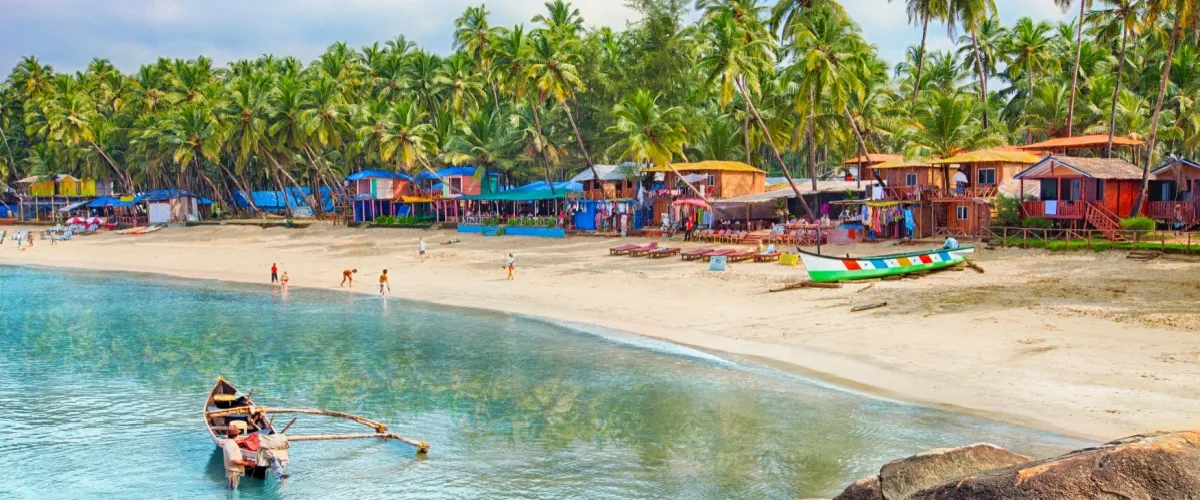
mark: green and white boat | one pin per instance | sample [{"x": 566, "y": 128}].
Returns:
[{"x": 825, "y": 268}]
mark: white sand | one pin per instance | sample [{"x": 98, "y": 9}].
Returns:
[{"x": 1093, "y": 345}]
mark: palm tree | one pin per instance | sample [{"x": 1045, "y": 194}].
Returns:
[
  {"x": 1122, "y": 17},
  {"x": 1184, "y": 14},
  {"x": 720, "y": 140},
  {"x": 923, "y": 11},
  {"x": 648, "y": 133},
  {"x": 1084, "y": 5},
  {"x": 1029, "y": 51},
  {"x": 977, "y": 18},
  {"x": 946, "y": 125},
  {"x": 486, "y": 138},
  {"x": 552, "y": 72}
]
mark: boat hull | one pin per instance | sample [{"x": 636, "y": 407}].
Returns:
[{"x": 825, "y": 269}]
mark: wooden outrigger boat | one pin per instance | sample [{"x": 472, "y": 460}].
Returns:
[
  {"x": 826, "y": 268},
  {"x": 225, "y": 405}
]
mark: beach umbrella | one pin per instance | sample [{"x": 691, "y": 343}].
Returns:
[
  {"x": 95, "y": 220},
  {"x": 76, "y": 220}
]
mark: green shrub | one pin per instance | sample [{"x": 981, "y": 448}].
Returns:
[
  {"x": 1137, "y": 224},
  {"x": 1037, "y": 223},
  {"x": 1008, "y": 211},
  {"x": 385, "y": 220}
]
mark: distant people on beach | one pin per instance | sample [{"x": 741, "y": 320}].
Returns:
[
  {"x": 1177, "y": 218},
  {"x": 688, "y": 225},
  {"x": 283, "y": 281},
  {"x": 383, "y": 283},
  {"x": 348, "y": 276},
  {"x": 511, "y": 265},
  {"x": 421, "y": 249},
  {"x": 274, "y": 273},
  {"x": 451, "y": 242}
]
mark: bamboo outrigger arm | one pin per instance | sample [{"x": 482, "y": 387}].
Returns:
[{"x": 379, "y": 428}]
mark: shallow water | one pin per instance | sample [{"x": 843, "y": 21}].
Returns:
[{"x": 103, "y": 376}]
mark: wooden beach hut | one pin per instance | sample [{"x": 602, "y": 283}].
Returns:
[
  {"x": 908, "y": 179},
  {"x": 858, "y": 168},
  {"x": 1082, "y": 192},
  {"x": 617, "y": 182},
  {"x": 1092, "y": 143},
  {"x": 986, "y": 173},
  {"x": 715, "y": 179},
  {"x": 1176, "y": 183}
]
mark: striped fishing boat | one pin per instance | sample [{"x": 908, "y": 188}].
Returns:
[{"x": 825, "y": 268}]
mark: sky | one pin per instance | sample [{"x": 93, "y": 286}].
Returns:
[{"x": 67, "y": 34}]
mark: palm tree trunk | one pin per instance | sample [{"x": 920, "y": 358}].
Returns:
[
  {"x": 586, "y": 157},
  {"x": 289, "y": 177},
  {"x": 1075, "y": 74},
  {"x": 244, "y": 188},
  {"x": 983, "y": 92},
  {"x": 537, "y": 122},
  {"x": 121, "y": 174},
  {"x": 746, "y": 134},
  {"x": 1025, "y": 108},
  {"x": 1112, "y": 114},
  {"x": 862, "y": 145},
  {"x": 771, "y": 141},
  {"x": 811, "y": 140},
  {"x": 1162, "y": 92},
  {"x": 8, "y": 150},
  {"x": 920, "y": 58}
]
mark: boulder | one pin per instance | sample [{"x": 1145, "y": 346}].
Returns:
[
  {"x": 866, "y": 488},
  {"x": 1148, "y": 466},
  {"x": 901, "y": 478}
]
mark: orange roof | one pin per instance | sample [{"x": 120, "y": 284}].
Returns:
[
  {"x": 1081, "y": 141},
  {"x": 872, "y": 159}
]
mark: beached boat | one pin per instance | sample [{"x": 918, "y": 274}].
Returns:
[
  {"x": 828, "y": 268},
  {"x": 225, "y": 404}
]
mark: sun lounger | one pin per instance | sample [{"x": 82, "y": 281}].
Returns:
[
  {"x": 622, "y": 250},
  {"x": 766, "y": 257},
  {"x": 696, "y": 254},
  {"x": 740, "y": 256},
  {"x": 719, "y": 253},
  {"x": 663, "y": 253},
  {"x": 640, "y": 251}
]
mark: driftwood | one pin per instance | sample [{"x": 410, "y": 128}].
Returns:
[
  {"x": 865, "y": 288},
  {"x": 975, "y": 267},
  {"x": 868, "y": 307},
  {"x": 422, "y": 447},
  {"x": 806, "y": 284},
  {"x": 1143, "y": 255}
]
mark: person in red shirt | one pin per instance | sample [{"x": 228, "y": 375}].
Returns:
[{"x": 274, "y": 274}]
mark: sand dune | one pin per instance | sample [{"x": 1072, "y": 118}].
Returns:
[{"x": 1090, "y": 344}]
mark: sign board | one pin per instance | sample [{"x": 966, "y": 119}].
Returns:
[{"x": 718, "y": 263}]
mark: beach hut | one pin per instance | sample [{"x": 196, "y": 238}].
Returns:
[
  {"x": 377, "y": 193},
  {"x": 173, "y": 206},
  {"x": 908, "y": 179},
  {"x": 863, "y": 163},
  {"x": 616, "y": 182},
  {"x": 1081, "y": 192},
  {"x": 463, "y": 181},
  {"x": 716, "y": 179},
  {"x": 1175, "y": 184},
  {"x": 986, "y": 173}
]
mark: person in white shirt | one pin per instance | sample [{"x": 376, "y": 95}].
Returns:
[
  {"x": 511, "y": 264},
  {"x": 234, "y": 462},
  {"x": 421, "y": 249}
]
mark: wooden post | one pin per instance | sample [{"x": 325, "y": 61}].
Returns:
[{"x": 1089, "y": 240}]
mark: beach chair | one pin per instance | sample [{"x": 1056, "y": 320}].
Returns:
[
  {"x": 621, "y": 250},
  {"x": 696, "y": 254},
  {"x": 643, "y": 250},
  {"x": 741, "y": 256},
  {"x": 662, "y": 253},
  {"x": 719, "y": 253},
  {"x": 766, "y": 257}
]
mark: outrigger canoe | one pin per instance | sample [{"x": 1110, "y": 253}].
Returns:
[
  {"x": 224, "y": 396},
  {"x": 826, "y": 268}
]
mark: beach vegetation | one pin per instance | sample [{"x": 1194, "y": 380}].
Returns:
[
  {"x": 1037, "y": 223},
  {"x": 1008, "y": 211},
  {"x": 1138, "y": 224},
  {"x": 788, "y": 86}
]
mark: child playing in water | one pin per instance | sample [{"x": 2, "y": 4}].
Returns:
[{"x": 383, "y": 282}]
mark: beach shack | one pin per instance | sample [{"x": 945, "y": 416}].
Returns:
[
  {"x": 463, "y": 181},
  {"x": 1082, "y": 192},
  {"x": 986, "y": 173},
  {"x": 860, "y": 165},
  {"x": 617, "y": 182},
  {"x": 1095, "y": 143},
  {"x": 173, "y": 206},
  {"x": 378, "y": 193},
  {"x": 714, "y": 179},
  {"x": 42, "y": 195},
  {"x": 1175, "y": 184},
  {"x": 908, "y": 179}
]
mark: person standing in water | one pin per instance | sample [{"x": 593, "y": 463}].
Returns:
[
  {"x": 235, "y": 463},
  {"x": 274, "y": 273},
  {"x": 348, "y": 275},
  {"x": 283, "y": 281},
  {"x": 511, "y": 264},
  {"x": 383, "y": 283},
  {"x": 421, "y": 249}
]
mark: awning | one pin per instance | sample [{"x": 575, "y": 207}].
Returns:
[
  {"x": 691, "y": 201},
  {"x": 72, "y": 206}
]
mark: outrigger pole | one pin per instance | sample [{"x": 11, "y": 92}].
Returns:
[{"x": 379, "y": 427}]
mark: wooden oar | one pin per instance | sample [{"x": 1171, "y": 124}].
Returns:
[{"x": 289, "y": 425}]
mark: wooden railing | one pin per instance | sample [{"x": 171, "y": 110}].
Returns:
[
  {"x": 1074, "y": 239},
  {"x": 1066, "y": 209},
  {"x": 1165, "y": 210}
]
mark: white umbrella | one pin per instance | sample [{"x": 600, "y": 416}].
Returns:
[
  {"x": 76, "y": 220},
  {"x": 95, "y": 220}
]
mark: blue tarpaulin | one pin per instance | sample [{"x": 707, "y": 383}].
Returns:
[
  {"x": 275, "y": 201},
  {"x": 109, "y": 201},
  {"x": 376, "y": 174}
]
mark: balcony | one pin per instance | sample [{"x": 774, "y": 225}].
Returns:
[
  {"x": 1165, "y": 210},
  {"x": 610, "y": 194},
  {"x": 1059, "y": 209}
]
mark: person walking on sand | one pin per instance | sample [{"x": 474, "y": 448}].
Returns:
[
  {"x": 274, "y": 273},
  {"x": 348, "y": 276},
  {"x": 421, "y": 249},
  {"x": 383, "y": 283},
  {"x": 511, "y": 264}
]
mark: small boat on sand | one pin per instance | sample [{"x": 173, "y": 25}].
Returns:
[
  {"x": 263, "y": 444},
  {"x": 827, "y": 268}
]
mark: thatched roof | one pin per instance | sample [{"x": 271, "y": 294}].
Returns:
[
  {"x": 1096, "y": 168},
  {"x": 1080, "y": 142},
  {"x": 708, "y": 166}
]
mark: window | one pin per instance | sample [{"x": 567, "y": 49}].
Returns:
[
  {"x": 964, "y": 212},
  {"x": 456, "y": 184},
  {"x": 910, "y": 179},
  {"x": 1049, "y": 189},
  {"x": 712, "y": 180},
  {"x": 986, "y": 176},
  {"x": 1070, "y": 189},
  {"x": 1099, "y": 189}
]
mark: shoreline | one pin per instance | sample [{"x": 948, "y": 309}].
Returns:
[{"x": 723, "y": 314}]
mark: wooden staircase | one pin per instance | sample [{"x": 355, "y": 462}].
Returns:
[{"x": 1104, "y": 221}]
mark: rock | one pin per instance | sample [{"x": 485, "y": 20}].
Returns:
[
  {"x": 901, "y": 478},
  {"x": 866, "y": 488},
  {"x": 1148, "y": 466}
]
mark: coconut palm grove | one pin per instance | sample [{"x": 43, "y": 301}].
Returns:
[{"x": 790, "y": 87}]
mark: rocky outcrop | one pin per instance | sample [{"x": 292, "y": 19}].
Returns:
[
  {"x": 1149, "y": 466},
  {"x": 901, "y": 478}
]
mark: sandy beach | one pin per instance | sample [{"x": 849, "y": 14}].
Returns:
[{"x": 1093, "y": 345}]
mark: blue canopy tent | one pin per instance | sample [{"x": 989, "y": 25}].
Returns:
[{"x": 277, "y": 201}]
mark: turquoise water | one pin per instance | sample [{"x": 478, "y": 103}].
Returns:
[{"x": 103, "y": 376}]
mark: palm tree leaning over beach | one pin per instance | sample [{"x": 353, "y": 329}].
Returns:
[{"x": 649, "y": 134}]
